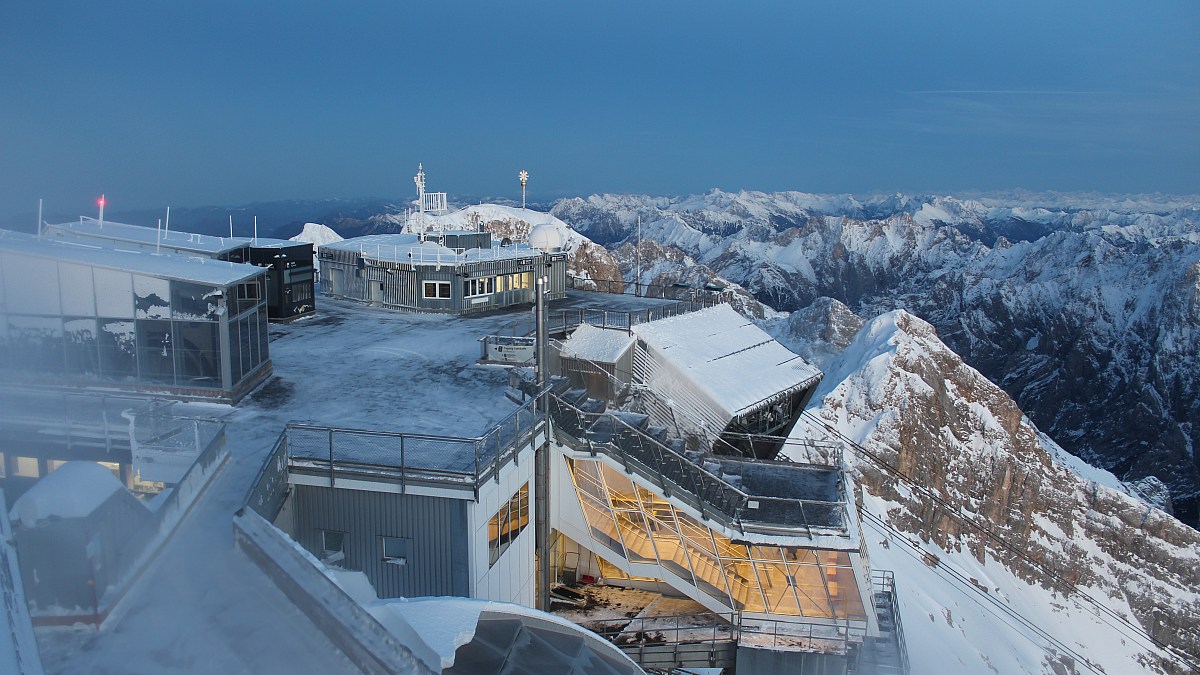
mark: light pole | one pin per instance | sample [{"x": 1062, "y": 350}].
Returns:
[{"x": 524, "y": 176}]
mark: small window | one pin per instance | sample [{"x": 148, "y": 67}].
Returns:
[
  {"x": 395, "y": 550},
  {"x": 439, "y": 290},
  {"x": 333, "y": 546}
]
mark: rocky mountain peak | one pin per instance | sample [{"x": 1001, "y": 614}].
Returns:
[{"x": 993, "y": 488}]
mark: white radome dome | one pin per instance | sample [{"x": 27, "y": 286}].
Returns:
[{"x": 546, "y": 238}]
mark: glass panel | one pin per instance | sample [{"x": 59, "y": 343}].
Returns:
[
  {"x": 114, "y": 293},
  {"x": 194, "y": 302},
  {"x": 156, "y": 352},
  {"x": 151, "y": 297},
  {"x": 78, "y": 293},
  {"x": 31, "y": 285},
  {"x": 82, "y": 350},
  {"x": 118, "y": 353},
  {"x": 603, "y": 529},
  {"x": 35, "y": 344},
  {"x": 235, "y": 351},
  {"x": 198, "y": 354},
  {"x": 26, "y": 467}
]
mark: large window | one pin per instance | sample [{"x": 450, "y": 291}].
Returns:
[
  {"x": 474, "y": 287},
  {"x": 438, "y": 290},
  {"x": 508, "y": 522}
]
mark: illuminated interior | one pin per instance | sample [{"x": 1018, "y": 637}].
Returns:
[
  {"x": 641, "y": 527},
  {"x": 508, "y": 522}
]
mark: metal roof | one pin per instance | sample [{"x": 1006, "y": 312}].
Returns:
[{"x": 200, "y": 270}]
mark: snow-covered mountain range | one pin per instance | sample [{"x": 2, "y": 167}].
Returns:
[
  {"x": 1011, "y": 555},
  {"x": 1085, "y": 309}
]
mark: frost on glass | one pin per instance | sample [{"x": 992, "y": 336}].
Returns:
[
  {"x": 118, "y": 353},
  {"x": 30, "y": 285},
  {"x": 81, "y": 347},
  {"x": 151, "y": 297},
  {"x": 78, "y": 292},
  {"x": 35, "y": 344},
  {"x": 194, "y": 302},
  {"x": 114, "y": 293}
]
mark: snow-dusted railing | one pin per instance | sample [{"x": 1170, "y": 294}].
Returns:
[
  {"x": 883, "y": 587},
  {"x": 566, "y": 319},
  {"x": 441, "y": 255},
  {"x": 446, "y": 461},
  {"x": 690, "y": 482}
]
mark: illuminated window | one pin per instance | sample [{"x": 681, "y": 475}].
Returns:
[
  {"x": 26, "y": 467},
  {"x": 437, "y": 290},
  {"x": 508, "y": 522},
  {"x": 473, "y": 287},
  {"x": 395, "y": 550}
]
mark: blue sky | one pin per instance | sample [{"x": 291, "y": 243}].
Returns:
[{"x": 214, "y": 102}]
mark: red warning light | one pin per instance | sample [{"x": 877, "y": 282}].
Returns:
[{"x": 100, "y": 201}]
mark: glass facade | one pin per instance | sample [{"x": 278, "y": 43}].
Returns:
[
  {"x": 508, "y": 522},
  {"x": 641, "y": 527},
  {"x": 81, "y": 323}
]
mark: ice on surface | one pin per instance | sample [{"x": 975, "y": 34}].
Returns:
[{"x": 205, "y": 244}]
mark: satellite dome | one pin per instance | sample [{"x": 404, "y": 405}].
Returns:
[{"x": 546, "y": 238}]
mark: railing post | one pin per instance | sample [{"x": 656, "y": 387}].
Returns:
[
  {"x": 331, "y": 479},
  {"x": 403, "y": 468}
]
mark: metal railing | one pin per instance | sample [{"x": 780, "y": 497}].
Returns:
[
  {"x": 447, "y": 461},
  {"x": 690, "y": 482},
  {"x": 797, "y": 633},
  {"x": 565, "y": 319},
  {"x": 883, "y": 583}
]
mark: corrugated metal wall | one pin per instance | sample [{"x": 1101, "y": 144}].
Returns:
[{"x": 437, "y": 527}]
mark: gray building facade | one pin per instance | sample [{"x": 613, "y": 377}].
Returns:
[{"x": 450, "y": 272}]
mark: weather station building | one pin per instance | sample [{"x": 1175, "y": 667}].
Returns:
[
  {"x": 76, "y": 315},
  {"x": 290, "y": 275}
]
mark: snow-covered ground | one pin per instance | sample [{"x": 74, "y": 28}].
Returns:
[{"x": 204, "y": 607}]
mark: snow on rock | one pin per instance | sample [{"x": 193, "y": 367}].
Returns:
[
  {"x": 898, "y": 391},
  {"x": 317, "y": 234},
  {"x": 73, "y": 490}
]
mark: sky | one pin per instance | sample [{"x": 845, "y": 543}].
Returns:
[{"x": 231, "y": 102}]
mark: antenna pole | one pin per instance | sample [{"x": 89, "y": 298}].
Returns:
[
  {"x": 167, "y": 229},
  {"x": 158, "y": 243},
  {"x": 231, "y": 226},
  {"x": 101, "y": 211},
  {"x": 256, "y": 230},
  {"x": 637, "y": 288},
  {"x": 39, "y": 219}
]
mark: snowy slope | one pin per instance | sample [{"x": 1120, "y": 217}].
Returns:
[{"x": 971, "y": 599}]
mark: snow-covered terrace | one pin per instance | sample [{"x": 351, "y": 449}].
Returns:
[{"x": 409, "y": 249}]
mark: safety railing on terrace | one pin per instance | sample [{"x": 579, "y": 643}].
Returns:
[
  {"x": 794, "y": 633},
  {"x": 883, "y": 583},
  {"x": 565, "y": 319},
  {"x": 690, "y": 482},
  {"x": 457, "y": 462},
  {"x": 442, "y": 255}
]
